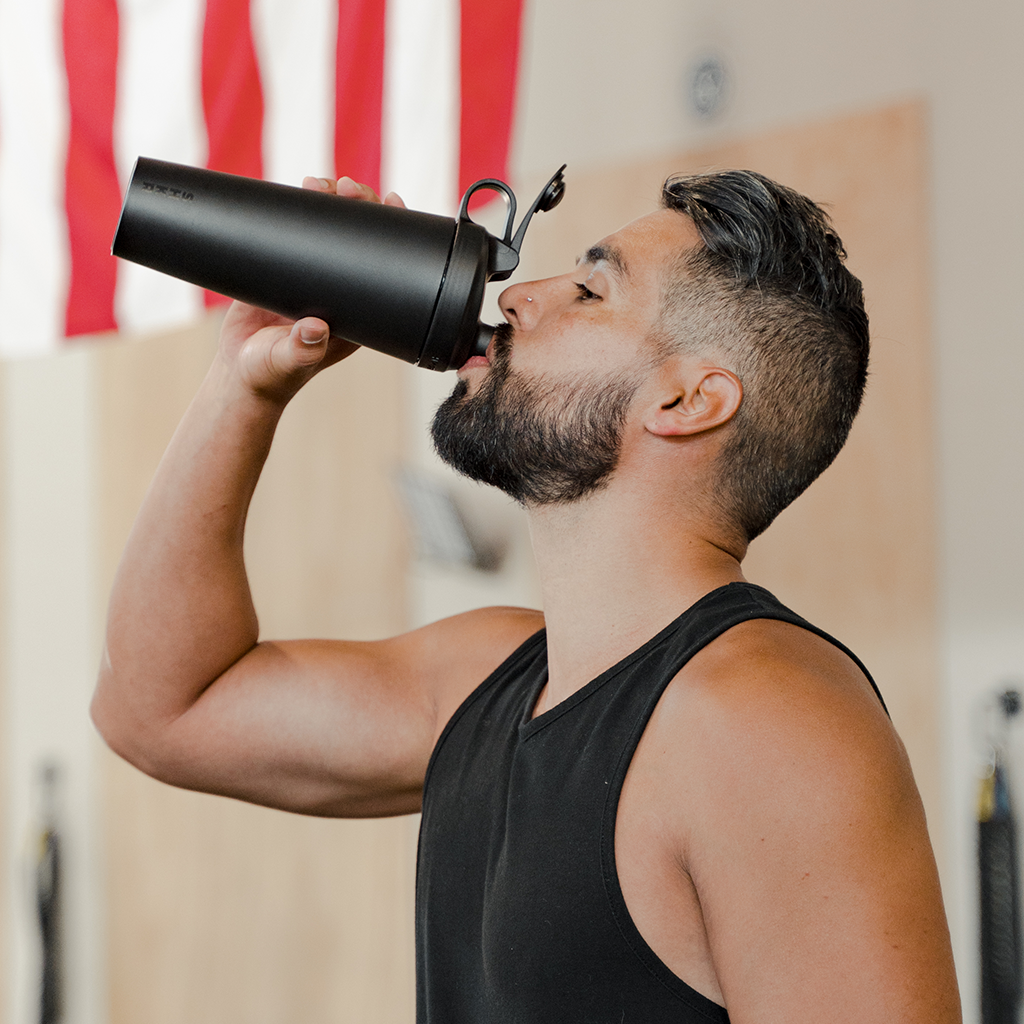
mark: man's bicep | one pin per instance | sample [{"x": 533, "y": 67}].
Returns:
[
  {"x": 314, "y": 726},
  {"x": 326, "y": 727},
  {"x": 816, "y": 876}
]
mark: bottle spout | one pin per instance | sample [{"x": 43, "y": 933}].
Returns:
[{"x": 483, "y": 338}]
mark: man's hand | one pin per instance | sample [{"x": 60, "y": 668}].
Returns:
[{"x": 273, "y": 356}]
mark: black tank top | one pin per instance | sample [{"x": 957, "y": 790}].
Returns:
[{"x": 519, "y": 914}]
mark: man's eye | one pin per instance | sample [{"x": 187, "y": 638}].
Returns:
[{"x": 586, "y": 293}]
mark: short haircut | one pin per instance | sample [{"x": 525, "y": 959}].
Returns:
[{"x": 770, "y": 291}]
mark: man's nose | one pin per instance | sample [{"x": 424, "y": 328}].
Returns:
[{"x": 521, "y": 303}]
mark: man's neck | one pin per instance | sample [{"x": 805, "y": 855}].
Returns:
[{"x": 614, "y": 572}]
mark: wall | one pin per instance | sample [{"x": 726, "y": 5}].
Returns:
[
  {"x": 50, "y": 650},
  {"x": 219, "y": 911},
  {"x": 608, "y": 85},
  {"x": 976, "y": 81}
]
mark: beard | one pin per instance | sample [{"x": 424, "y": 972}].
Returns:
[{"x": 541, "y": 442}]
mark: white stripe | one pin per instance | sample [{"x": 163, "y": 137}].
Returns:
[
  {"x": 33, "y": 123},
  {"x": 159, "y": 114},
  {"x": 420, "y": 162},
  {"x": 295, "y": 47},
  {"x": 421, "y": 103}
]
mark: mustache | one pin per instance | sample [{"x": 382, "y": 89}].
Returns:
[{"x": 504, "y": 335}]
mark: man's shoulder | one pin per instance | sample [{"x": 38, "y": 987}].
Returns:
[
  {"x": 452, "y": 656},
  {"x": 769, "y": 664},
  {"x": 772, "y": 779},
  {"x": 495, "y": 630},
  {"x": 775, "y": 716}
]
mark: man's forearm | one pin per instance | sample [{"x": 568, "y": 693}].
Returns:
[{"x": 181, "y": 611}]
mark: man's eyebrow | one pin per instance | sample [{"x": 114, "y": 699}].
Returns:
[{"x": 611, "y": 256}]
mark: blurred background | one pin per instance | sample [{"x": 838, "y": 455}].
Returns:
[{"x": 902, "y": 117}]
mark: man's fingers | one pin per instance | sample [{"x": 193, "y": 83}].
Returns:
[
  {"x": 319, "y": 184},
  {"x": 308, "y": 341},
  {"x": 279, "y": 358},
  {"x": 354, "y": 190},
  {"x": 312, "y": 332},
  {"x": 351, "y": 190}
]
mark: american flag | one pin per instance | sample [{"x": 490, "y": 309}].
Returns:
[{"x": 412, "y": 95}]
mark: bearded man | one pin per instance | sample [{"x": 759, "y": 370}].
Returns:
[{"x": 669, "y": 798}]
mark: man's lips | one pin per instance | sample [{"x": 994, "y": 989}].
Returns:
[
  {"x": 502, "y": 336},
  {"x": 484, "y": 360}
]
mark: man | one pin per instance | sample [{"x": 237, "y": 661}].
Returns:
[{"x": 679, "y": 802}]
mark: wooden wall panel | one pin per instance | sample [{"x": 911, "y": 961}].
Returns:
[
  {"x": 218, "y": 911},
  {"x": 855, "y": 553}
]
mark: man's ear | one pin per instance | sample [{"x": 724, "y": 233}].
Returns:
[{"x": 704, "y": 398}]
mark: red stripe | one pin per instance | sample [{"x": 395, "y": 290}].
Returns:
[
  {"x": 359, "y": 90},
  {"x": 490, "y": 67},
  {"x": 232, "y": 95},
  {"x": 92, "y": 194}
]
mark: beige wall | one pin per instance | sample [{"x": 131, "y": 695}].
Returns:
[
  {"x": 49, "y": 656},
  {"x": 606, "y": 84},
  {"x": 978, "y": 309},
  {"x": 217, "y": 911}
]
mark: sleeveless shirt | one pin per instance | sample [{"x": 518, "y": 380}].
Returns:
[{"x": 519, "y": 914}]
